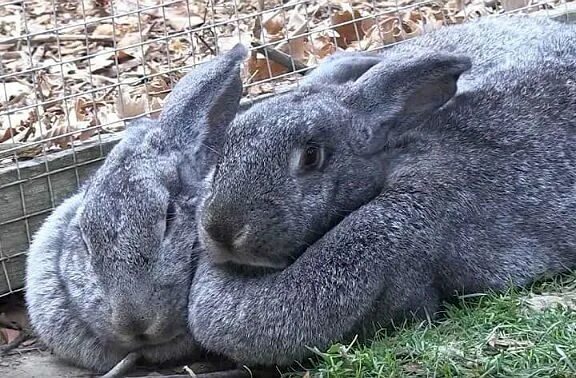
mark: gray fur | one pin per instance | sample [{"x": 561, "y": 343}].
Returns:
[
  {"x": 109, "y": 272},
  {"x": 461, "y": 191}
]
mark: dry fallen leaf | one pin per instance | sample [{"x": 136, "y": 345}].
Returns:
[
  {"x": 426, "y": 19},
  {"x": 45, "y": 84},
  {"x": 79, "y": 105},
  {"x": 545, "y": 301},
  {"x": 350, "y": 31},
  {"x": 130, "y": 106},
  {"x": 511, "y": 5},
  {"x": 12, "y": 89},
  {"x": 103, "y": 29},
  {"x": 260, "y": 68},
  {"x": 109, "y": 119},
  {"x": 391, "y": 30},
  {"x": 179, "y": 46},
  {"x": 129, "y": 39},
  {"x": 320, "y": 46},
  {"x": 180, "y": 23},
  {"x": 273, "y": 24},
  {"x": 12, "y": 312},
  {"x": 499, "y": 340},
  {"x": 226, "y": 42},
  {"x": 102, "y": 61},
  {"x": 10, "y": 133},
  {"x": 8, "y": 335},
  {"x": 59, "y": 131}
]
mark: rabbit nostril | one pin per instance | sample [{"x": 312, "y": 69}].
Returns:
[
  {"x": 221, "y": 232},
  {"x": 142, "y": 338}
]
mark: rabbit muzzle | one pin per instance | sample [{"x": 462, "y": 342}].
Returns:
[
  {"x": 226, "y": 234},
  {"x": 136, "y": 340},
  {"x": 225, "y": 245},
  {"x": 135, "y": 329}
]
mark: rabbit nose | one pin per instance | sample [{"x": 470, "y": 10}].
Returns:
[
  {"x": 142, "y": 338},
  {"x": 128, "y": 323},
  {"x": 134, "y": 327},
  {"x": 222, "y": 232}
]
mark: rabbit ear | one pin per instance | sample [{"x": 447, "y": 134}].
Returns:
[
  {"x": 401, "y": 90},
  {"x": 139, "y": 126},
  {"x": 208, "y": 96},
  {"x": 341, "y": 68}
]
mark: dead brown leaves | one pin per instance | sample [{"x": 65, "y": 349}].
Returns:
[
  {"x": 499, "y": 341},
  {"x": 14, "y": 325},
  {"x": 310, "y": 32},
  {"x": 73, "y": 71},
  {"x": 545, "y": 301}
]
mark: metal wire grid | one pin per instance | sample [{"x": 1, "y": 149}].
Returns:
[{"x": 26, "y": 181}]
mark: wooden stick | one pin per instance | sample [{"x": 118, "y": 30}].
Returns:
[
  {"x": 281, "y": 58},
  {"x": 23, "y": 336},
  {"x": 237, "y": 373},
  {"x": 124, "y": 366},
  {"x": 52, "y": 38},
  {"x": 234, "y": 373}
]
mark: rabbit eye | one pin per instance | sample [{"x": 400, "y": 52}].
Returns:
[
  {"x": 312, "y": 157},
  {"x": 215, "y": 172},
  {"x": 170, "y": 214}
]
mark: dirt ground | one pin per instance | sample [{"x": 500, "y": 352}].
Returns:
[
  {"x": 37, "y": 363},
  {"x": 32, "y": 359}
]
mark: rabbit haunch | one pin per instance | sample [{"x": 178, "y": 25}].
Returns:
[
  {"x": 109, "y": 272},
  {"x": 382, "y": 187}
]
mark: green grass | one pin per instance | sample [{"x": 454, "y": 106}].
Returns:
[{"x": 522, "y": 333}]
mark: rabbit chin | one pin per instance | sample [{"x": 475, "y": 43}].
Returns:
[
  {"x": 132, "y": 343},
  {"x": 220, "y": 255}
]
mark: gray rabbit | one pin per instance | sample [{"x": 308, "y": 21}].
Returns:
[
  {"x": 109, "y": 272},
  {"x": 379, "y": 191}
]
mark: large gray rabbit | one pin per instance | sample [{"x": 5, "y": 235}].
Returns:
[
  {"x": 110, "y": 270},
  {"x": 378, "y": 189}
]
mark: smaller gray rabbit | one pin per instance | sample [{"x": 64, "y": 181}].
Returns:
[
  {"x": 371, "y": 194},
  {"x": 109, "y": 272}
]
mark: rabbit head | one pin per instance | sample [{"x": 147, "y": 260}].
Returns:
[
  {"x": 139, "y": 228},
  {"x": 124, "y": 249},
  {"x": 293, "y": 166}
]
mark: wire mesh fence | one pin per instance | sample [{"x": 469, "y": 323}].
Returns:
[{"x": 72, "y": 71}]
